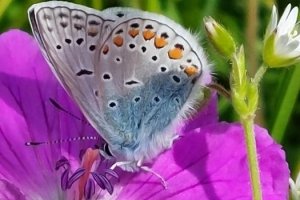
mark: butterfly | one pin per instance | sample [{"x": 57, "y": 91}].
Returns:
[{"x": 135, "y": 75}]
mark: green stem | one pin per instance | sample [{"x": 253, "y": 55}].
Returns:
[
  {"x": 259, "y": 74},
  {"x": 252, "y": 158}
]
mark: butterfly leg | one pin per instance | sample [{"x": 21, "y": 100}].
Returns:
[
  {"x": 148, "y": 169},
  {"x": 118, "y": 164}
]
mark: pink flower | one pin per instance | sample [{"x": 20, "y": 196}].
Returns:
[{"x": 208, "y": 162}]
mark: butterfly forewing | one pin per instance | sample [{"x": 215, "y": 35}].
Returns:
[{"x": 70, "y": 37}]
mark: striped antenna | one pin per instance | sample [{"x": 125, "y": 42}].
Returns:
[{"x": 63, "y": 140}]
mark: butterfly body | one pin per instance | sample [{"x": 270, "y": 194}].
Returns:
[{"x": 135, "y": 75}]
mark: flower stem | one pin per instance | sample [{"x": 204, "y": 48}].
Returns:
[
  {"x": 252, "y": 157},
  {"x": 248, "y": 124}
]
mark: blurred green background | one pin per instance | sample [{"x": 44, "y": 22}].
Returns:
[{"x": 247, "y": 20}]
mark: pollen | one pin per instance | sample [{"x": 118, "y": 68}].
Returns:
[
  {"x": 160, "y": 42},
  {"x": 118, "y": 41},
  {"x": 133, "y": 32},
  {"x": 175, "y": 53},
  {"x": 148, "y": 34}
]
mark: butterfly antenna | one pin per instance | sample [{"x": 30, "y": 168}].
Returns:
[
  {"x": 66, "y": 111},
  {"x": 63, "y": 140}
]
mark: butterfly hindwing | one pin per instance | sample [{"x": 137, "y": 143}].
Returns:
[{"x": 150, "y": 75}]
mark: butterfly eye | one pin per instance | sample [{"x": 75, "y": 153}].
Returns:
[{"x": 106, "y": 150}]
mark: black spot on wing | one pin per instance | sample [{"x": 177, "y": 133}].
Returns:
[
  {"x": 132, "y": 82},
  {"x": 84, "y": 72}
]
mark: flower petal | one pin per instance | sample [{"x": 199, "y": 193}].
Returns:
[
  {"x": 284, "y": 16},
  {"x": 26, "y": 84},
  {"x": 210, "y": 161},
  {"x": 273, "y": 23},
  {"x": 10, "y": 191},
  {"x": 208, "y": 115}
]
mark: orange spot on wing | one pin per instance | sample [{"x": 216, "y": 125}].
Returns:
[
  {"x": 105, "y": 49},
  {"x": 175, "y": 53},
  {"x": 160, "y": 42},
  {"x": 133, "y": 32},
  {"x": 118, "y": 41},
  {"x": 148, "y": 34},
  {"x": 190, "y": 70}
]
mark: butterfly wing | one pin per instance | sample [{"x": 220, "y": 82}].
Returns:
[
  {"x": 151, "y": 73},
  {"x": 70, "y": 37},
  {"x": 132, "y": 73}
]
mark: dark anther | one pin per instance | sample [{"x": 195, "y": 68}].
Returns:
[{"x": 58, "y": 46}]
